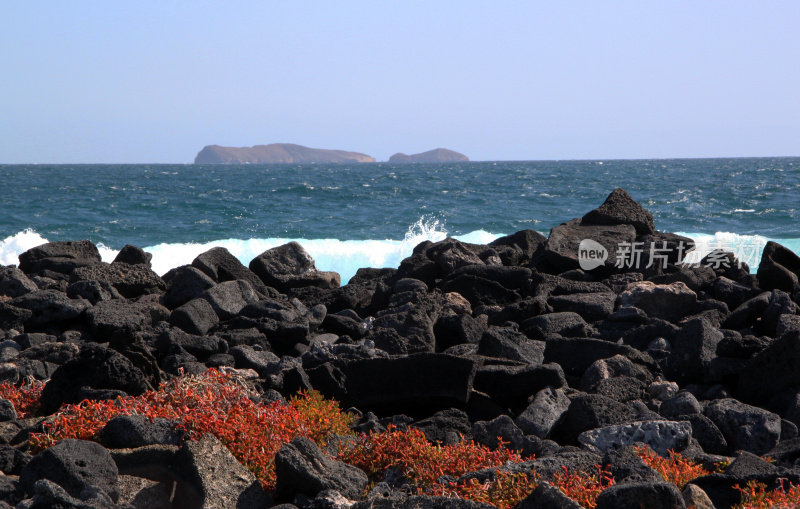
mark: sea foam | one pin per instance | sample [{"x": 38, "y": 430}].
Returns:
[{"x": 347, "y": 256}]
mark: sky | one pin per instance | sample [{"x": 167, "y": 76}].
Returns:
[{"x": 155, "y": 81}]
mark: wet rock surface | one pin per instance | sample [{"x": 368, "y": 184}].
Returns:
[{"x": 508, "y": 342}]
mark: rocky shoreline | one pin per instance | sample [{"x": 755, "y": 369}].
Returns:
[{"x": 511, "y": 340}]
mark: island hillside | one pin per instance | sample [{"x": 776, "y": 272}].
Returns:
[
  {"x": 277, "y": 153},
  {"x": 437, "y": 155}
]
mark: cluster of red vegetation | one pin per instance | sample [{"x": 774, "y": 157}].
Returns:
[
  {"x": 25, "y": 397},
  {"x": 215, "y": 403},
  {"x": 225, "y": 406},
  {"x": 756, "y": 496},
  {"x": 676, "y": 469}
]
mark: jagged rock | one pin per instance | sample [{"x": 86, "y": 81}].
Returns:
[
  {"x": 185, "y": 283},
  {"x": 547, "y": 496},
  {"x": 129, "y": 280},
  {"x": 447, "y": 427},
  {"x": 75, "y": 465},
  {"x": 511, "y": 386},
  {"x": 420, "y": 382},
  {"x": 212, "y": 477},
  {"x": 694, "y": 496},
  {"x": 626, "y": 466},
  {"x": 561, "y": 250},
  {"x": 653, "y": 495},
  {"x": 682, "y": 403},
  {"x": 133, "y": 255},
  {"x": 590, "y": 306},
  {"x": 779, "y": 268},
  {"x": 748, "y": 312},
  {"x": 58, "y": 258},
  {"x": 544, "y": 413},
  {"x": 110, "y": 316},
  {"x": 129, "y": 431},
  {"x": 290, "y": 266},
  {"x": 49, "y": 307},
  {"x": 14, "y": 282},
  {"x": 576, "y": 355},
  {"x": 507, "y": 343},
  {"x": 228, "y": 298},
  {"x": 195, "y": 317},
  {"x": 693, "y": 349},
  {"x": 202, "y": 347},
  {"x": 669, "y": 302},
  {"x": 220, "y": 265},
  {"x": 93, "y": 291},
  {"x": 521, "y": 247},
  {"x": 732, "y": 293},
  {"x": 300, "y": 467},
  {"x": 745, "y": 427},
  {"x": 615, "y": 366},
  {"x": 96, "y": 369},
  {"x": 661, "y": 436},
  {"x": 620, "y": 209},
  {"x": 503, "y": 428},
  {"x": 591, "y": 411},
  {"x": 780, "y": 360},
  {"x": 564, "y": 324}
]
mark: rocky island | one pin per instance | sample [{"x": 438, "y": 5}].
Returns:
[
  {"x": 475, "y": 376},
  {"x": 277, "y": 153},
  {"x": 437, "y": 155}
]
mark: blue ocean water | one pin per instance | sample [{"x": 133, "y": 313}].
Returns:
[{"x": 349, "y": 216}]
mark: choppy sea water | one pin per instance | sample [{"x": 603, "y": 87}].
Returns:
[{"x": 351, "y": 216}]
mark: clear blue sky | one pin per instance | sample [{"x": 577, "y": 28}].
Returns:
[{"x": 155, "y": 81}]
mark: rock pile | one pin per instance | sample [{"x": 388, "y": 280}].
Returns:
[{"x": 511, "y": 340}]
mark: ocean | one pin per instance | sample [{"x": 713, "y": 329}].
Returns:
[{"x": 373, "y": 214}]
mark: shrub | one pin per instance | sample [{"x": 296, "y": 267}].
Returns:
[
  {"x": 583, "y": 488},
  {"x": 25, "y": 397},
  {"x": 676, "y": 469},
  {"x": 756, "y": 496},
  {"x": 216, "y": 403}
]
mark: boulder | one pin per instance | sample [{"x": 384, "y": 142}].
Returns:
[
  {"x": 562, "y": 247},
  {"x": 779, "y": 268},
  {"x": 185, "y": 283},
  {"x": 58, "y": 258},
  {"x": 590, "y": 306},
  {"x": 195, "y": 317},
  {"x": 220, "y": 265},
  {"x": 779, "y": 360},
  {"x": 576, "y": 355},
  {"x": 652, "y": 495},
  {"x": 693, "y": 349},
  {"x": 110, "y": 316},
  {"x": 562, "y": 324},
  {"x": 301, "y": 467},
  {"x": 547, "y": 496},
  {"x": 519, "y": 248},
  {"x": 490, "y": 433},
  {"x": 511, "y": 386},
  {"x": 213, "y": 478},
  {"x": 745, "y": 427},
  {"x": 93, "y": 291},
  {"x": 49, "y": 307},
  {"x": 620, "y": 209},
  {"x": 228, "y": 298},
  {"x": 669, "y": 302},
  {"x": 130, "y": 431},
  {"x": 95, "y": 370},
  {"x": 133, "y": 255},
  {"x": 507, "y": 343},
  {"x": 14, "y": 282},
  {"x": 591, "y": 411},
  {"x": 661, "y": 436},
  {"x": 419, "y": 502},
  {"x": 413, "y": 384},
  {"x": 290, "y": 266},
  {"x": 130, "y": 281},
  {"x": 75, "y": 465},
  {"x": 544, "y": 413}
]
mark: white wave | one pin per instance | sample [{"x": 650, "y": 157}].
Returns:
[{"x": 347, "y": 256}]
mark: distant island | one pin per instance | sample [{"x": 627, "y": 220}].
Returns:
[
  {"x": 277, "y": 153},
  {"x": 437, "y": 155}
]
